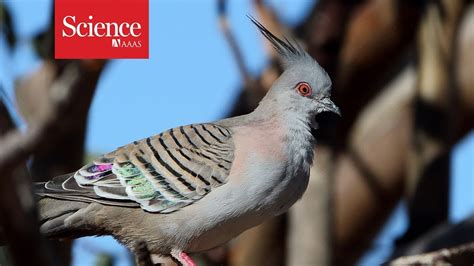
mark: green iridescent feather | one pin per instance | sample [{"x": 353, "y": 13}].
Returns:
[{"x": 141, "y": 187}]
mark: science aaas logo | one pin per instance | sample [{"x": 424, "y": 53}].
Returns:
[{"x": 101, "y": 29}]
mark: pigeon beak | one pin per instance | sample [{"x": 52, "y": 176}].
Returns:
[{"x": 328, "y": 106}]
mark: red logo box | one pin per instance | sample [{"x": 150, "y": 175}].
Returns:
[{"x": 101, "y": 29}]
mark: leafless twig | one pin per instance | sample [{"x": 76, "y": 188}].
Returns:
[
  {"x": 459, "y": 255},
  {"x": 229, "y": 36}
]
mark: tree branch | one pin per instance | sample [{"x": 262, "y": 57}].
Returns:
[
  {"x": 16, "y": 146},
  {"x": 17, "y": 206},
  {"x": 459, "y": 255}
]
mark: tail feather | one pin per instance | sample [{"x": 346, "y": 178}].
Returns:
[
  {"x": 65, "y": 187},
  {"x": 54, "y": 212},
  {"x": 56, "y": 227},
  {"x": 63, "y": 206}
]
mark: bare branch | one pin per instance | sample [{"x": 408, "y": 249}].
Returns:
[
  {"x": 229, "y": 36},
  {"x": 460, "y": 255},
  {"x": 16, "y": 146}
]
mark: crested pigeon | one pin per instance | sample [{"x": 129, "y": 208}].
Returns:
[{"x": 195, "y": 187}]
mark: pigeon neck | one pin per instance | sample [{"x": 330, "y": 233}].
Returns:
[
  {"x": 300, "y": 142},
  {"x": 295, "y": 131}
]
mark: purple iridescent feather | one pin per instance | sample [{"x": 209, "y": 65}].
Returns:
[{"x": 100, "y": 169}]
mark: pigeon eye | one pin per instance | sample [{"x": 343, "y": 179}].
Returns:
[{"x": 304, "y": 89}]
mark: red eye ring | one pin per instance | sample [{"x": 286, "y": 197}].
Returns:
[{"x": 304, "y": 89}]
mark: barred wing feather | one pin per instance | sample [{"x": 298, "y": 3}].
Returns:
[{"x": 162, "y": 173}]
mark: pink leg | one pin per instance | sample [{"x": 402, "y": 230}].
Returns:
[{"x": 183, "y": 258}]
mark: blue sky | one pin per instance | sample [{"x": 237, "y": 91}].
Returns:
[{"x": 190, "y": 77}]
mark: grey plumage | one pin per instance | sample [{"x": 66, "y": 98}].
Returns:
[{"x": 202, "y": 184}]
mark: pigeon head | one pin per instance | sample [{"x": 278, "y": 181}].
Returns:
[{"x": 304, "y": 87}]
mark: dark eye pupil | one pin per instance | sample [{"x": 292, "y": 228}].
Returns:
[{"x": 303, "y": 89}]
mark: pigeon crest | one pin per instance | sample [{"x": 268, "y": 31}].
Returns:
[{"x": 290, "y": 51}]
